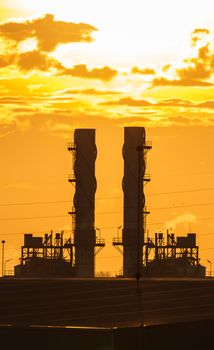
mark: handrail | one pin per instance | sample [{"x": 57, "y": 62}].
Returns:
[
  {"x": 146, "y": 177},
  {"x": 148, "y": 144},
  {"x": 100, "y": 241},
  {"x": 117, "y": 240},
  {"x": 71, "y": 146},
  {"x": 71, "y": 178}
]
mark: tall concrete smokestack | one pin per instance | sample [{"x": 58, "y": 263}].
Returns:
[
  {"x": 134, "y": 149},
  {"x": 84, "y": 201}
]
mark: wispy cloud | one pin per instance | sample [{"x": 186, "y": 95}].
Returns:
[{"x": 90, "y": 92}]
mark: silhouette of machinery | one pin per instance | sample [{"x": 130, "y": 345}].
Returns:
[
  {"x": 48, "y": 256},
  {"x": 173, "y": 256}
]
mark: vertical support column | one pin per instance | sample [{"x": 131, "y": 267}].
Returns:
[
  {"x": 2, "y": 257},
  {"x": 84, "y": 201},
  {"x": 134, "y": 200}
]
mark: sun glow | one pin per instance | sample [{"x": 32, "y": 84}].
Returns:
[
  {"x": 27, "y": 45},
  {"x": 137, "y": 31}
]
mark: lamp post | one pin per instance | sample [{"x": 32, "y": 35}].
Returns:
[
  {"x": 2, "y": 264},
  {"x": 210, "y": 262},
  {"x": 5, "y": 270}
]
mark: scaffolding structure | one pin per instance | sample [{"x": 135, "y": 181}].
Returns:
[
  {"x": 48, "y": 256},
  {"x": 175, "y": 256}
]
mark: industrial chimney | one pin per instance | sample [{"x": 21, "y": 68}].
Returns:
[
  {"x": 134, "y": 151},
  {"x": 85, "y": 152}
]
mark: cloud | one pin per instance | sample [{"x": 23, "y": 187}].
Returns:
[
  {"x": 144, "y": 71},
  {"x": 81, "y": 70},
  {"x": 179, "y": 82},
  {"x": 59, "y": 129},
  {"x": 31, "y": 60},
  {"x": 11, "y": 100},
  {"x": 6, "y": 60},
  {"x": 197, "y": 69},
  {"x": 128, "y": 101},
  {"x": 60, "y": 122},
  {"x": 166, "y": 67},
  {"x": 196, "y": 72},
  {"x": 200, "y": 31},
  {"x": 24, "y": 110},
  {"x": 191, "y": 120},
  {"x": 198, "y": 34},
  {"x": 35, "y": 60},
  {"x": 90, "y": 92},
  {"x": 48, "y": 32},
  {"x": 206, "y": 104}
]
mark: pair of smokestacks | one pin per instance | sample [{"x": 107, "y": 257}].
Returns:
[{"x": 85, "y": 152}]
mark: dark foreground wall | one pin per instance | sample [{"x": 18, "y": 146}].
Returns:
[
  {"x": 44, "y": 338},
  {"x": 105, "y": 303},
  {"x": 197, "y": 335}
]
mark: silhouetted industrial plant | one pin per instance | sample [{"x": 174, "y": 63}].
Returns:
[{"x": 59, "y": 256}]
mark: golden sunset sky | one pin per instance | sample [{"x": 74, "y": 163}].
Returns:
[{"x": 105, "y": 65}]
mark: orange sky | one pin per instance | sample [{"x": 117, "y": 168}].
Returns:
[{"x": 67, "y": 65}]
